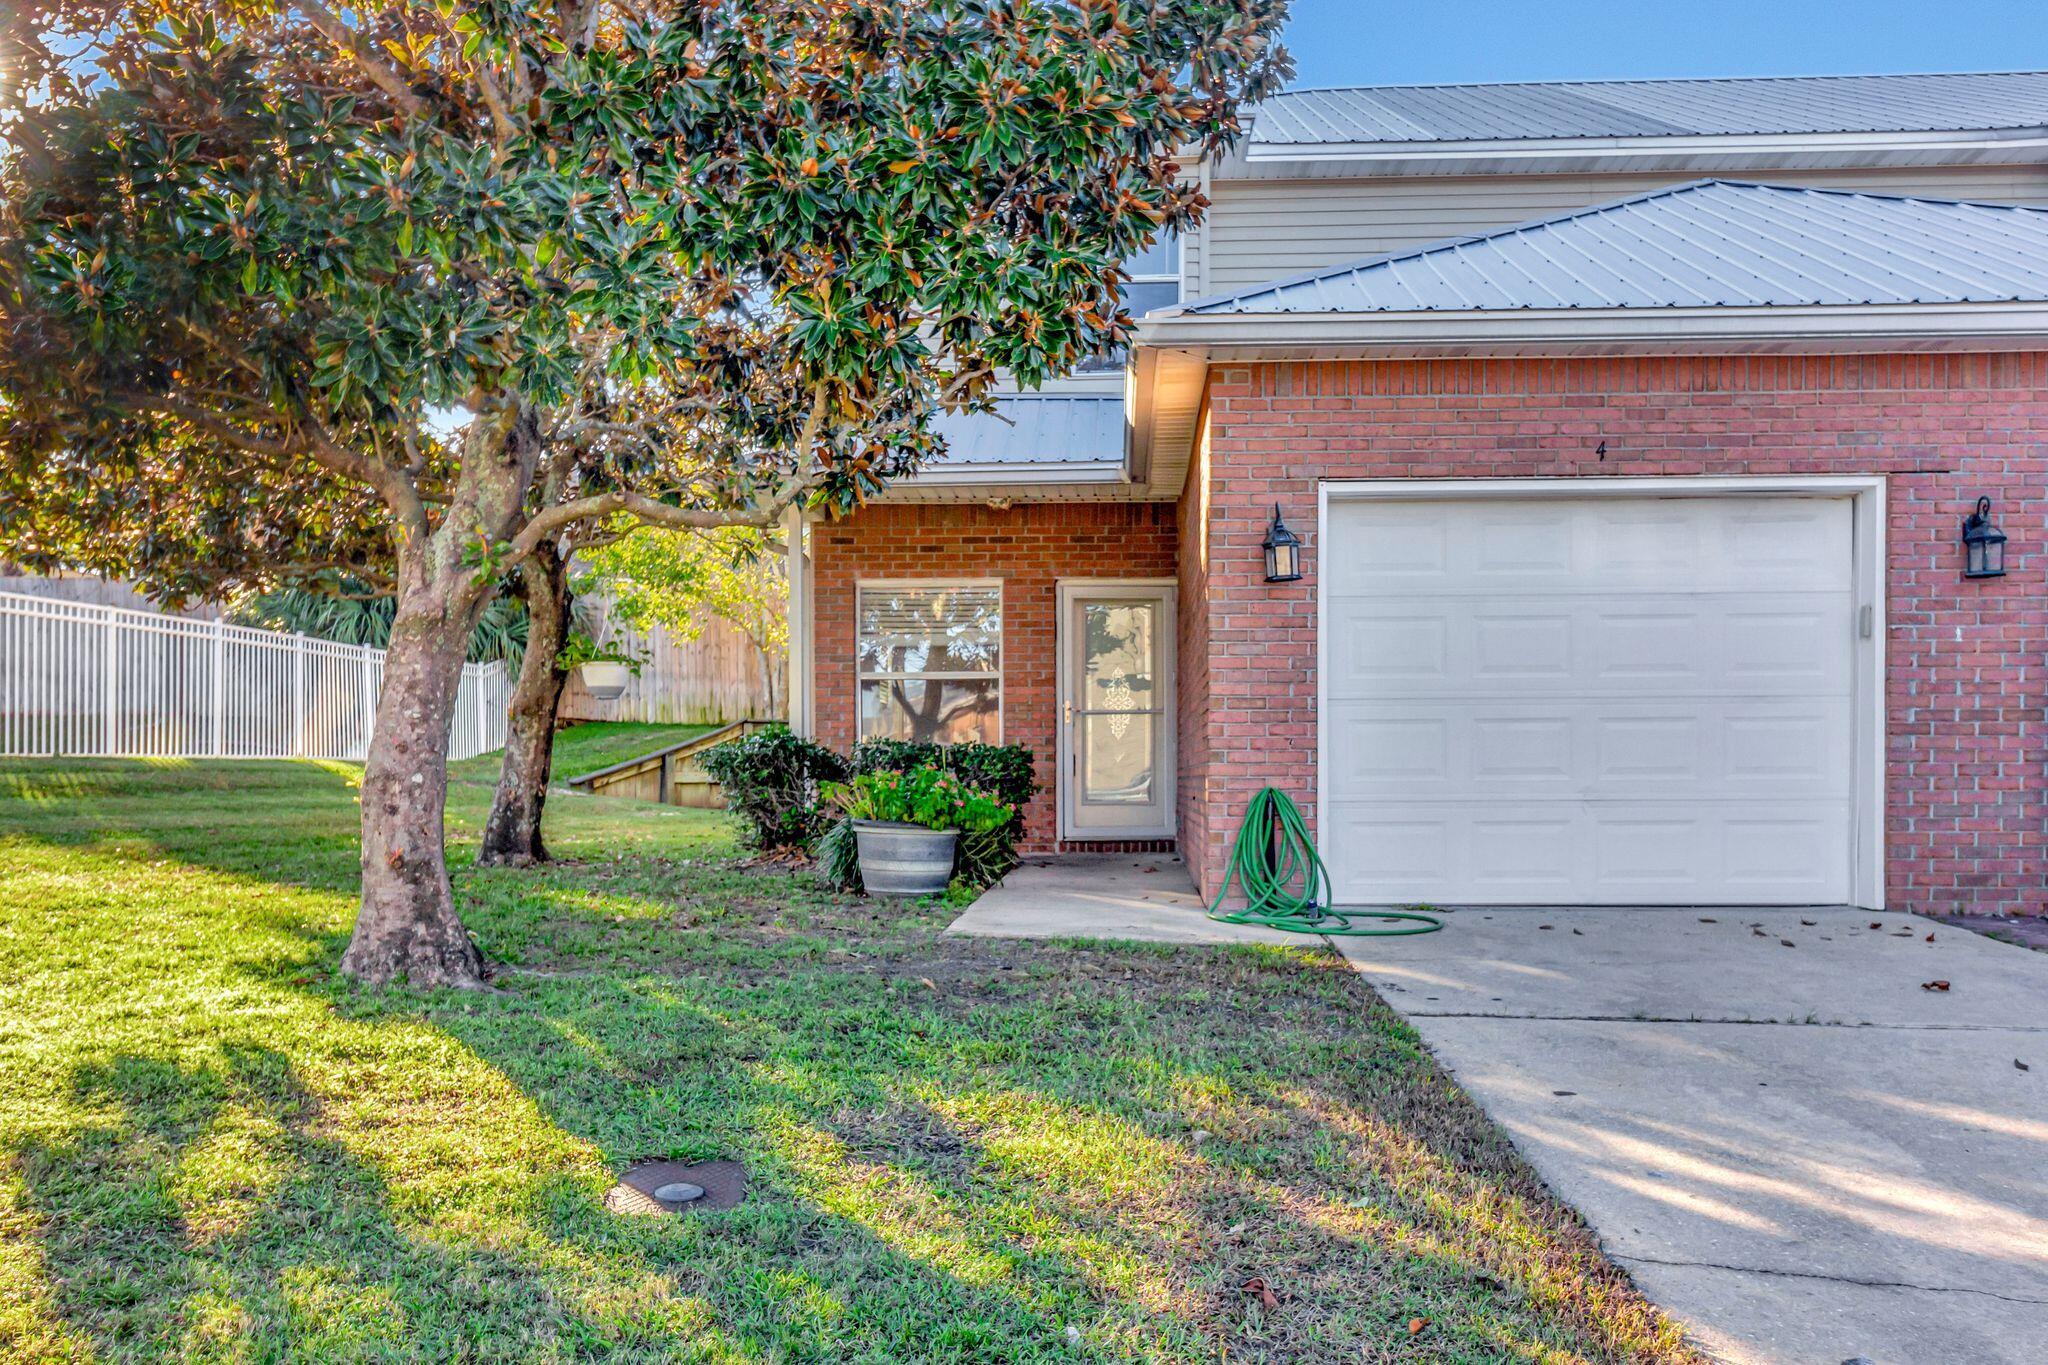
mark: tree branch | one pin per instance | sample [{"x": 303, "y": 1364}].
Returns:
[{"x": 381, "y": 73}]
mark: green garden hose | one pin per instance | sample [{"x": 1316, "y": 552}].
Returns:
[{"x": 1275, "y": 863}]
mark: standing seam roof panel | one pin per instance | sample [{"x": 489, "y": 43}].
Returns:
[
  {"x": 1758, "y": 106},
  {"x": 1713, "y": 243}
]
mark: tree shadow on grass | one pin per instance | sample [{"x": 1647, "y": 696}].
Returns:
[
  {"x": 1129, "y": 1176},
  {"x": 219, "y": 1206},
  {"x": 961, "y": 1148}
]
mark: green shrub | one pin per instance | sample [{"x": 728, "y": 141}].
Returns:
[
  {"x": 772, "y": 780},
  {"x": 1003, "y": 770},
  {"x": 928, "y": 796}
]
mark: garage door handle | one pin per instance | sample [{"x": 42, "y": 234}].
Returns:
[{"x": 1866, "y": 622}]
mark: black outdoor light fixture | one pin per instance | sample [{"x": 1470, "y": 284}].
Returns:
[
  {"x": 1983, "y": 544},
  {"x": 1283, "y": 551}
]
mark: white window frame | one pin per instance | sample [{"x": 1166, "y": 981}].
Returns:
[{"x": 1001, "y": 673}]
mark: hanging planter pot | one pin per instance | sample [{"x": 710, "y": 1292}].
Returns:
[
  {"x": 605, "y": 679},
  {"x": 904, "y": 860}
]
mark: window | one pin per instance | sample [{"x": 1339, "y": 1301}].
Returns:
[
  {"x": 930, "y": 662},
  {"x": 1154, "y": 283}
]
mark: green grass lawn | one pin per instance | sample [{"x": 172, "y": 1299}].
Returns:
[
  {"x": 961, "y": 1150},
  {"x": 588, "y": 747}
]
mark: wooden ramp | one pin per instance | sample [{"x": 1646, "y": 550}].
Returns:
[{"x": 670, "y": 776}]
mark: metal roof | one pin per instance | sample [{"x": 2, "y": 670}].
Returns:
[
  {"x": 1035, "y": 429},
  {"x": 1746, "y": 106},
  {"x": 1709, "y": 244}
]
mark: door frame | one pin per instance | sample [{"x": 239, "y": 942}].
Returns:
[
  {"x": 1867, "y": 520},
  {"x": 1165, "y": 592}
]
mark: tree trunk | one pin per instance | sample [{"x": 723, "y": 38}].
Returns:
[
  {"x": 512, "y": 835},
  {"x": 406, "y": 927}
]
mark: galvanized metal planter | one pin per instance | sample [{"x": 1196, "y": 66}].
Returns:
[{"x": 904, "y": 860}]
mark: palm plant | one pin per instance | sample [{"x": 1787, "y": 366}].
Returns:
[{"x": 365, "y": 619}]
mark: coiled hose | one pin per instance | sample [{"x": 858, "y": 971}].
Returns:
[{"x": 1275, "y": 863}]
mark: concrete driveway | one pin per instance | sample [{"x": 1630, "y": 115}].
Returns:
[{"x": 1796, "y": 1149}]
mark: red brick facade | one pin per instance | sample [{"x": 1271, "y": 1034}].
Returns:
[
  {"x": 1029, "y": 547},
  {"x": 1967, "y": 661},
  {"x": 1966, "y": 820}
]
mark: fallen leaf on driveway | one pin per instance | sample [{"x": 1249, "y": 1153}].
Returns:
[
  {"x": 1930, "y": 938},
  {"x": 1705, "y": 920},
  {"x": 1809, "y": 923},
  {"x": 1877, "y": 924},
  {"x": 1934, "y": 985},
  {"x": 2021, "y": 1065}
]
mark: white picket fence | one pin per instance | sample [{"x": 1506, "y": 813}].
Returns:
[{"x": 84, "y": 680}]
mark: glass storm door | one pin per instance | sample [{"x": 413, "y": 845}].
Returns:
[{"x": 1116, "y": 711}]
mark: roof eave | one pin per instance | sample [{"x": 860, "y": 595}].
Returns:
[
  {"x": 1201, "y": 341},
  {"x": 2019, "y": 323},
  {"x": 2005, "y": 146},
  {"x": 1004, "y": 483}
]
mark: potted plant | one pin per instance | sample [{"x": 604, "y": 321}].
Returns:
[
  {"x": 908, "y": 826},
  {"x": 604, "y": 669}
]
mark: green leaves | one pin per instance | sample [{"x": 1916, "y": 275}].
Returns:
[{"x": 662, "y": 238}]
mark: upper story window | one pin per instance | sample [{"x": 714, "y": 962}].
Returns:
[{"x": 1154, "y": 283}]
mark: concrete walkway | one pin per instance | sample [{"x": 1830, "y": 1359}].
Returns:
[
  {"x": 1796, "y": 1150},
  {"x": 1145, "y": 896}
]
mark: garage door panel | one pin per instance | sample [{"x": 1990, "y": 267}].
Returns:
[
  {"x": 1530, "y": 750},
  {"x": 1614, "y": 701},
  {"x": 1594, "y": 853},
  {"x": 1612, "y": 644},
  {"x": 1684, "y": 544}
]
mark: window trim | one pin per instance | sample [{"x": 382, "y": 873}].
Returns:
[
  {"x": 1113, "y": 362},
  {"x": 1001, "y": 673}
]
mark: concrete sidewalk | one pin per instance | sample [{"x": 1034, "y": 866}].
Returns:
[
  {"x": 1144, "y": 896},
  {"x": 1797, "y": 1149}
]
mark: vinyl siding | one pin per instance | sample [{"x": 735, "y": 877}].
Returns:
[{"x": 1262, "y": 230}]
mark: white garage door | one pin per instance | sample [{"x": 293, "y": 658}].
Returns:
[{"x": 1621, "y": 701}]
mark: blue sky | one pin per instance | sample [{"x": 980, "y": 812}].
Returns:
[{"x": 1378, "y": 42}]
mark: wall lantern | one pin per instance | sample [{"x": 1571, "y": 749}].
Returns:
[
  {"x": 1983, "y": 544},
  {"x": 1283, "y": 551}
]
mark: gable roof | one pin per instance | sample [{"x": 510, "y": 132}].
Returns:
[
  {"x": 1302, "y": 120},
  {"x": 1708, "y": 244}
]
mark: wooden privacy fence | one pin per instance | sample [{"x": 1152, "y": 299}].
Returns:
[
  {"x": 718, "y": 676},
  {"x": 84, "y": 680}
]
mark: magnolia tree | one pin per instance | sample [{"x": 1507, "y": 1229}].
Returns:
[
  {"x": 473, "y": 274},
  {"x": 633, "y": 575}
]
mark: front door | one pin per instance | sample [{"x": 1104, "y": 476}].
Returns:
[{"x": 1116, "y": 710}]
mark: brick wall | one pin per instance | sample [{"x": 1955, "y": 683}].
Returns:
[
  {"x": 1967, "y": 794},
  {"x": 1029, "y": 547}
]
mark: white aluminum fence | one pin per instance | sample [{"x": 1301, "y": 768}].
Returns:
[{"x": 78, "y": 679}]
